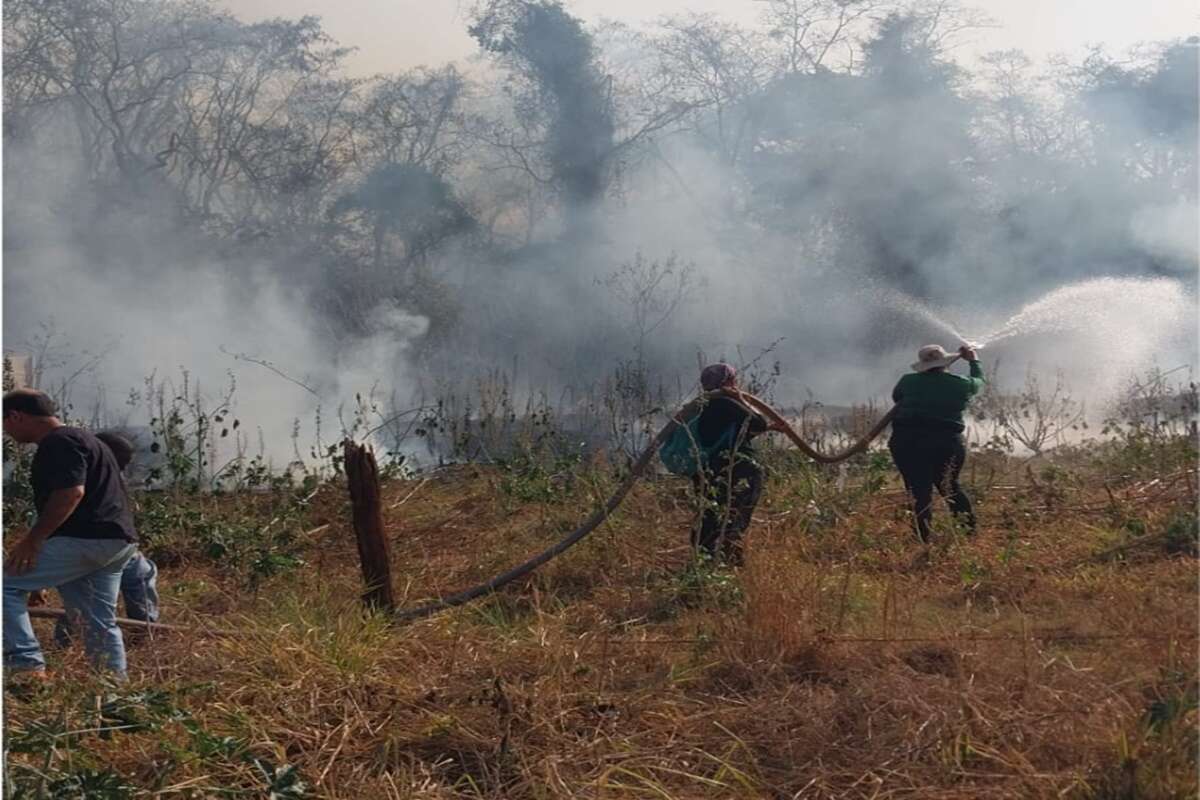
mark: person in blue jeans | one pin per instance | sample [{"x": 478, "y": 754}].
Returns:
[
  {"x": 79, "y": 543},
  {"x": 139, "y": 579}
]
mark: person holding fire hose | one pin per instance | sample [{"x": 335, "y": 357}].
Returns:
[
  {"x": 730, "y": 481},
  {"x": 927, "y": 443}
]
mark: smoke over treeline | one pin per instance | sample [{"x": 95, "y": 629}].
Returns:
[{"x": 182, "y": 186}]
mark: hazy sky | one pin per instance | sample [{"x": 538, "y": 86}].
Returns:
[{"x": 396, "y": 34}]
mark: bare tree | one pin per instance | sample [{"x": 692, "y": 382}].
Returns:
[
  {"x": 812, "y": 34},
  {"x": 1141, "y": 113},
  {"x": 558, "y": 82},
  {"x": 261, "y": 120},
  {"x": 651, "y": 292},
  {"x": 415, "y": 118},
  {"x": 1035, "y": 416},
  {"x": 576, "y": 114},
  {"x": 1015, "y": 113},
  {"x": 718, "y": 71},
  {"x": 113, "y": 63},
  {"x": 232, "y": 112}
]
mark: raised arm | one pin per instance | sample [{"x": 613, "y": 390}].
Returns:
[{"x": 976, "y": 378}]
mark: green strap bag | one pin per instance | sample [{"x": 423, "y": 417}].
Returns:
[{"x": 682, "y": 453}]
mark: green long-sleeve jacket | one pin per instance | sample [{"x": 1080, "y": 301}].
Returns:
[{"x": 936, "y": 399}]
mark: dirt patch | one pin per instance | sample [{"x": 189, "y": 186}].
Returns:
[{"x": 933, "y": 660}]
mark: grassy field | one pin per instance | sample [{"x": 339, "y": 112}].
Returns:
[{"x": 1053, "y": 654}]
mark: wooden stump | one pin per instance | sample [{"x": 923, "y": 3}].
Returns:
[{"x": 362, "y": 476}]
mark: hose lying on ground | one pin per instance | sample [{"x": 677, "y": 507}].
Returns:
[
  {"x": 635, "y": 471},
  {"x": 590, "y": 524}
]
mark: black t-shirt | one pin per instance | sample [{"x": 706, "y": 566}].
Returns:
[
  {"x": 720, "y": 414},
  {"x": 69, "y": 457}
]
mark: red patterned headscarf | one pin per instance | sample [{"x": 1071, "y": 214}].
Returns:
[{"x": 714, "y": 376}]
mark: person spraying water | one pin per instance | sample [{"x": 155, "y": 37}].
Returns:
[{"x": 927, "y": 443}]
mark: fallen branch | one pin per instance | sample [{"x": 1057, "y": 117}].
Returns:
[
  {"x": 408, "y": 496},
  {"x": 58, "y": 613}
]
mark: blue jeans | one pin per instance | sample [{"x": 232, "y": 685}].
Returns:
[
  {"x": 139, "y": 590},
  {"x": 87, "y": 573}
]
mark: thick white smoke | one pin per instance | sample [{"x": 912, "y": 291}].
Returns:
[{"x": 847, "y": 196}]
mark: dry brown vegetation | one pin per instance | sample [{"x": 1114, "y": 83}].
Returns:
[{"x": 1052, "y": 655}]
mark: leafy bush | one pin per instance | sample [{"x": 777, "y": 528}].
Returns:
[{"x": 250, "y": 541}]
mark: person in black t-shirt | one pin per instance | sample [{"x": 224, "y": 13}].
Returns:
[
  {"x": 139, "y": 578},
  {"x": 80, "y": 541},
  {"x": 731, "y": 483}
]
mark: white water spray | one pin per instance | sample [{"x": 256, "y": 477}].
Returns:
[
  {"x": 1112, "y": 328},
  {"x": 915, "y": 309},
  {"x": 1112, "y": 309}
]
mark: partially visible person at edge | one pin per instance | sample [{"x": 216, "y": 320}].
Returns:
[
  {"x": 927, "y": 442},
  {"x": 79, "y": 543},
  {"x": 139, "y": 579},
  {"x": 731, "y": 483}
]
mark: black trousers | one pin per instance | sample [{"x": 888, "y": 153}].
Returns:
[
  {"x": 927, "y": 458},
  {"x": 729, "y": 496}
]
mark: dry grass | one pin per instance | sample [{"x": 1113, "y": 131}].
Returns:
[{"x": 840, "y": 662}]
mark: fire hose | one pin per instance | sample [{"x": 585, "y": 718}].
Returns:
[
  {"x": 597, "y": 517},
  {"x": 638, "y": 467}
]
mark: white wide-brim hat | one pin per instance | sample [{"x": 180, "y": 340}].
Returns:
[{"x": 932, "y": 356}]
